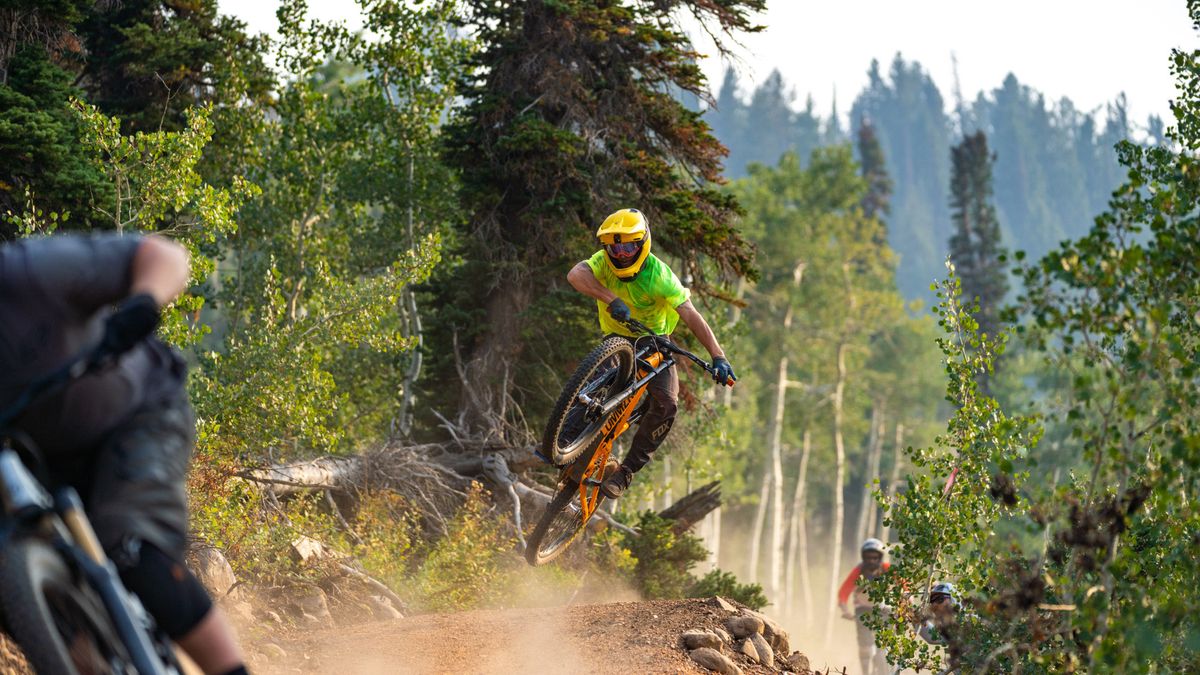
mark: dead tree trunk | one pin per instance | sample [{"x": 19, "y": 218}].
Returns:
[
  {"x": 694, "y": 507},
  {"x": 839, "y": 507}
]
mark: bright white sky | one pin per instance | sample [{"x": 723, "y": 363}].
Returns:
[{"x": 1087, "y": 50}]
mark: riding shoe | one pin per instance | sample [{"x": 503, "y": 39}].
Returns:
[{"x": 617, "y": 482}]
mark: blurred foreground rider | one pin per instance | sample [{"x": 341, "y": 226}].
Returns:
[
  {"x": 873, "y": 660},
  {"x": 123, "y": 435},
  {"x": 628, "y": 281}
]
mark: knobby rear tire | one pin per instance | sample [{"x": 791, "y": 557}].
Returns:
[
  {"x": 37, "y": 594},
  {"x": 613, "y": 359}
]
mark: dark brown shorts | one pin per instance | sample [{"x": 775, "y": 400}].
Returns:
[{"x": 134, "y": 487}]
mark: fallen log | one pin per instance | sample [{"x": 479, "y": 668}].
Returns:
[
  {"x": 435, "y": 480},
  {"x": 694, "y": 506}
]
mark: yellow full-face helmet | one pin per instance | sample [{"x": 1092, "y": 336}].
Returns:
[{"x": 626, "y": 239}]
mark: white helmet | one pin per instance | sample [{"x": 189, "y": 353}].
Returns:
[{"x": 872, "y": 544}]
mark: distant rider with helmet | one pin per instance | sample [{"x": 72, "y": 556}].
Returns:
[
  {"x": 628, "y": 281},
  {"x": 874, "y": 661}
]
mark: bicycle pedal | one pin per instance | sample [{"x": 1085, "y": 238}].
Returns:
[{"x": 591, "y": 482}]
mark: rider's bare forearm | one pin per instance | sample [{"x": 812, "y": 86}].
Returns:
[
  {"x": 699, "y": 327},
  {"x": 160, "y": 269},
  {"x": 584, "y": 280}
]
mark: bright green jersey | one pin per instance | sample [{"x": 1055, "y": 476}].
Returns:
[{"x": 652, "y": 296}]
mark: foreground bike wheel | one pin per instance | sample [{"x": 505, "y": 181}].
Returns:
[
  {"x": 60, "y": 625},
  {"x": 573, "y": 429},
  {"x": 560, "y": 524}
]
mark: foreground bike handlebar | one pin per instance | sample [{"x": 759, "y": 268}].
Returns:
[{"x": 668, "y": 346}]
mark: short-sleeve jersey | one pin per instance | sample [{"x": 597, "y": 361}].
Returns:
[
  {"x": 652, "y": 296},
  {"x": 55, "y": 293}
]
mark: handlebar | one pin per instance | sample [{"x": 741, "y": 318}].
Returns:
[{"x": 666, "y": 345}]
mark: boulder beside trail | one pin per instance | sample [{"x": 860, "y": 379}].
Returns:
[
  {"x": 747, "y": 649},
  {"x": 743, "y": 626},
  {"x": 213, "y": 570},
  {"x": 776, "y": 636},
  {"x": 714, "y": 660},
  {"x": 766, "y": 655},
  {"x": 721, "y": 603},
  {"x": 798, "y": 662},
  {"x": 695, "y": 639}
]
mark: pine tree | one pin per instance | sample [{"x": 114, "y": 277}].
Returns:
[
  {"x": 41, "y": 159},
  {"x": 568, "y": 116},
  {"x": 148, "y": 61},
  {"x": 876, "y": 203},
  {"x": 975, "y": 246}
]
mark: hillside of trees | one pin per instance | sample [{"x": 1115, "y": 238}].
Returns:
[{"x": 1055, "y": 164}]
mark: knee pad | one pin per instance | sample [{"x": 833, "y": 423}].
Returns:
[{"x": 167, "y": 589}]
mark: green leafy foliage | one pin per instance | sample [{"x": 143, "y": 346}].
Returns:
[
  {"x": 1092, "y": 573},
  {"x": 664, "y": 557},
  {"x": 466, "y": 567},
  {"x": 725, "y": 584}
]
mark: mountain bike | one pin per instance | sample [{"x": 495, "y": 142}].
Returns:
[
  {"x": 61, "y": 599},
  {"x": 600, "y": 402}
]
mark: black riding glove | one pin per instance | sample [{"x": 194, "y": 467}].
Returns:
[
  {"x": 132, "y": 322},
  {"x": 722, "y": 372},
  {"x": 618, "y": 310}
]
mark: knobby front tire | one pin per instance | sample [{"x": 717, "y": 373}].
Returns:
[
  {"x": 61, "y": 625},
  {"x": 560, "y": 524},
  {"x": 572, "y": 430}
]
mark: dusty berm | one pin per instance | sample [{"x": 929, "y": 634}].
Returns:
[{"x": 617, "y": 638}]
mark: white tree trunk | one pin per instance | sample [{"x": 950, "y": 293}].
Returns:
[
  {"x": 894, "y": 480},
  {"x": 876, "y": 467},
  {"x": 839, "y": 507},
  {"x": 760, "y": 517},
  {"x": 796, "y": 533},
  {"x": 777, "y": 522},
  {"x": 714, "y": 539},
  {"x": 866, "y": 510}
]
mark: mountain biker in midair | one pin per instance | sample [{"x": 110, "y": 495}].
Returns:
[
  {"x": 121, "y": 436},
  {"x": 628, "y": 281}
]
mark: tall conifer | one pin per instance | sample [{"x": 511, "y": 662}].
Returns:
[{"x": 975, "y": 245}]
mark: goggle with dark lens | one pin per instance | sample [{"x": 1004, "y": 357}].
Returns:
[
  {"x": 624, "y": 250},
  {"x": 938, "y": 599}
]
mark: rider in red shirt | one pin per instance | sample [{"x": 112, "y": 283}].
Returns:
[{"x": 873, "y": 660}]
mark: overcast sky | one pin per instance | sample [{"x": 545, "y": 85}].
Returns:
[{"x": 1087, "y": 50}]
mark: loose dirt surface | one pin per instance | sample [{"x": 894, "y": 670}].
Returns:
[{"x": 617, "y": 638}]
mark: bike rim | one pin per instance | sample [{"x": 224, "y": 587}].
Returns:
[
  {"x": 566, "y": 525},
  {"x": 88, "y": 651},
  {"x": 577, "y": 423}
]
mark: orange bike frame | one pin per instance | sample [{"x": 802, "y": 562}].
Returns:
[{"x": 589, "y": 496}]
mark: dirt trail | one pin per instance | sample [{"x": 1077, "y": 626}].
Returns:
[{"x": 617, "y": 638}]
